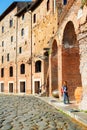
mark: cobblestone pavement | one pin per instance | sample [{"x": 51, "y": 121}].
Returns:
[{"x": 31, "y": 113}]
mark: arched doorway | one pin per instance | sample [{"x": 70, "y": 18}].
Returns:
[
  {"x": 70, "y": 59},
  {"x": 54, "y": 67}
]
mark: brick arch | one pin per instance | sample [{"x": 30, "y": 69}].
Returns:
[
  {"x": 54, "y": 66},
  {"x": 75, "y": 23},
  {"x": 71, "y": 38},
  {"x": 70, "y": 59}
]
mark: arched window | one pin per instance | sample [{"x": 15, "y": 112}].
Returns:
[
  {"x": 38, "y": 66},
  {"x": 11, "y": 71},
  {"x": 22, "y": 69}
]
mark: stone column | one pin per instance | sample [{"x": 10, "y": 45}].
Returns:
[
  {"x": 50, "y": 80},
  {"x": 60, "y": 69}
]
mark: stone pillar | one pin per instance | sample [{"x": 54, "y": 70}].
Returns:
[
  {"x": 50, "y": 80},
  {"x": 60, "y": 69},
  {"x": 83, "y": 65}
]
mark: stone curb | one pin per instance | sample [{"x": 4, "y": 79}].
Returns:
[{"x": 73, "y": 115}]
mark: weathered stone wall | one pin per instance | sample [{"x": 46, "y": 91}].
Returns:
[
  {"x": 69, "y": 68},
  {"x": 44, "y": 30},
  {"x": 16, "y": 58},
  {"x": 25, "y": 43},
  {"x": 82, "y": 37},
  {"x": 9, "y": 47}
]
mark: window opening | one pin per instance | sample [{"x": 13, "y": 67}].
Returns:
[
  {"x": 11, "y": 23},
  {"x": 8, "y": 57},
  {"x": 34, "y": 18},
  {"x": 22, "y": 69},
  {"x": 38, "y": 66},
  {"x": 2, "y": 59},
  {"x": 22, "y": 32},
  {"x": 48, "y": 5},
  {"x": 11, "y": 71},
  {"x": 2, "y": 72},
  {"x": 2, "y": 29}
]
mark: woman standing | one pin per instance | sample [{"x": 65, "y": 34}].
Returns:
[{"x": 65, "y": 93}]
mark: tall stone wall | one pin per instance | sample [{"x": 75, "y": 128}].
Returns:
[
  {"x": 12, "y": 47},
  {"x": 44, "y": 30},
  {"x": 82, "y": 37},
  {"x": 8, "y": 47}
]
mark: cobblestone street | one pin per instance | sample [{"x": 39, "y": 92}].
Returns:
[{"x": 31, "y": 113}]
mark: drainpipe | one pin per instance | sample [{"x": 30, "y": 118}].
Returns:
[
  {"x": 16, "y": 54},
  {"x": 31, "y": 52},
  {"x": 31, "y": 49}
]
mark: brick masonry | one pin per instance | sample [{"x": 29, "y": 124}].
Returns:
[{"x": 60, "y": 34}]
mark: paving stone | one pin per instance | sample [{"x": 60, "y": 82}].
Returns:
[
  {"x": 31, "y": 113},
  {"x": 7, "y": 127}
]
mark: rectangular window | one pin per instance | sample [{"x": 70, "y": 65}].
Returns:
[
  {"x": 11, "y": 38},
  {"x": 2, "y": 43},
  {"x": 2, "y": 59},
  {"x": 22, "y": 69},
  {"x": 11, "y": 23},
  {"x": 23, "y": 17},
  {"x": 11, "y": 71},
  {"x": 64, "y": 2},
  {"x": 34, "y": 18},
  {"x": 2, "y": 72},
  {"x": 48, "y": 5},
  {"x": 20, "y": 50},
  {"x": 22, "y": 32},
  {"x": 8, "y": 57},
  {"x": 2, "y": 29}
]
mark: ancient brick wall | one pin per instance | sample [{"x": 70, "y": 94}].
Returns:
[
  {"x": 82, "y": 38},
  {"x": 44, "y": 30},
  {"x": 70, "y": 59}
]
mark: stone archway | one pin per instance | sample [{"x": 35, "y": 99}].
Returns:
[
  {"x": 54, "y": 66},
  {"x": 70, "y": 59}
]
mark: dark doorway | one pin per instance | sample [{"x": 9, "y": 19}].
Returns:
[
  {"x": 37, "y": 87},
  {"x": 11, "y": 87},
  {"x": 22, "y": 87},
  {"x": 2, "y": 87}
]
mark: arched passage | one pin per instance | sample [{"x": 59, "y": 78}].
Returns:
[
  {"x": 70, "y": 59},
  {"x": 54, "y": 66}
]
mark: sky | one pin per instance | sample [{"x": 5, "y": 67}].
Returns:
[{"x": 4, "y": 4}]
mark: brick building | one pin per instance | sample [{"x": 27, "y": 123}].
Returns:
[
  {"x": 15, "y": 42},
  {"x": 42, "y": 45}
]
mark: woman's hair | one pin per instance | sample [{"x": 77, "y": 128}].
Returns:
[{"x": 65, "y": 83}]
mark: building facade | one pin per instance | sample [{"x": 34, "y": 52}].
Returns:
[
  {"x": 43, "y": 43},
  {"x": 15, "y": 42}
]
